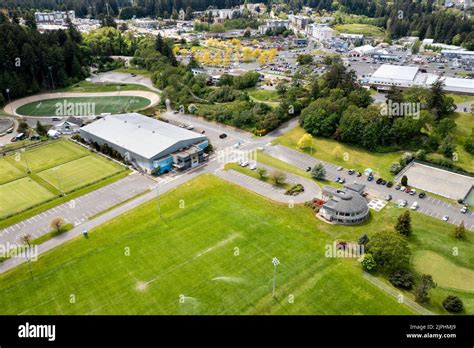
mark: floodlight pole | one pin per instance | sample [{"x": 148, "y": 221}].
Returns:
[
  {"x": 57, "y": 179},
  {"x": 275, "y": 264}
]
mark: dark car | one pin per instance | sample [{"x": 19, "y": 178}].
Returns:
[
  {"x": 351, "y": 171},
  {"x": 222, "y": 136},
  {"x": 397, "y": 187},
  {"x": 422, "y": 195},
  {"x": 359, "y": 174},
  {"x": 389, "y": 184},
  {"x": 308, "y": 169},
  {"x": 370, "y": 178},
  {"x": 379, "y": 181},
  {"x": 384, "y": 182}
]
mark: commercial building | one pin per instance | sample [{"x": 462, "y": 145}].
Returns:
[
  {"x": 407, "y": 76},
  {"x": 148, "y": 144},
  {"x": 344, "y": 206},
  {"x": 57, "y": 17},
  {"x": 272, "y": 24},
  {"x": 298, "y": 22},
  {"x": 320, "y": 32}
]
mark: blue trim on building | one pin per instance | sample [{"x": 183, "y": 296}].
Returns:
[{"x": 164, "y": 164}]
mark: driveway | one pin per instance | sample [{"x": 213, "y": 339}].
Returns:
[{"x": 429, "y": 205}]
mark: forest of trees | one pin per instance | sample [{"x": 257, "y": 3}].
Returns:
[{"x": 30, "y": 61}]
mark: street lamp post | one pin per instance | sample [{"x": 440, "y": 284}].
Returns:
[{"x": 275, "y": 262}]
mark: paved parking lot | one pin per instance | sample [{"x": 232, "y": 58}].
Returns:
[{"x": 439, "y": 181}]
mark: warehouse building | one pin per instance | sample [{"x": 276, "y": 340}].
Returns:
[
  {"x": 153, "y": 146},
  {"x": 407, "y": 76}
]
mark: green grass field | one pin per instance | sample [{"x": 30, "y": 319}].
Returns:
[
  {"x": 191, "y": 264},
  {"x": 357, "y": 28},
  {"x": 330, "y": 150},
  {"x": 91, "y": 87},
  {"x": 47, "y": 156},
  {"x": 20, "y": 194},
  {"x": 8, "y": 171},
  {"x": 78, "y": 173},
  {"x": 95, "y": 106},
  {"x": 75, "y": 166}
]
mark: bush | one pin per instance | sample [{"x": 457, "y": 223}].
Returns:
[
  {"x": 395, "y": 168},
  {"x": 390, "y": 250},
  {"x": 453, "y": 304},
  {"x": 401, "y": 279},
  {"x": 295, "y": 190},
  {"x": 368, "y": 262},
  {"x": 404, "y": 180}
]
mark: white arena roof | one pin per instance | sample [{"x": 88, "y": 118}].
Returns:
[
  {"x": 139, "y": 134},
  {"x": 396, "y": 72}
]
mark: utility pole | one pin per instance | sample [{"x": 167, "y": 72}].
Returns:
[{"x": 275, "y": 262}]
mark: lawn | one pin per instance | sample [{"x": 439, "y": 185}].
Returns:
[
  {"x": 264, "y": 95},
  {"x": 48, "y": 155},
  {"x": 78, "y": 173},
  {"x": 74, "y": 166},
  {"x": 8, "y": 171},
  {"x": 341, "y": 154},
  {"x": 89, "y": 87},
  {"x": 465, "y": 124},
  {"x": 92, "y": 106},
  {"x": 357, "y": 28},
  {"x": 211, "y": 257},
  {"x": 21, "y": 194}
]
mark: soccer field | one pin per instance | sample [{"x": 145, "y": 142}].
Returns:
[
  {"x": 21, "y": 194},
  {"x": 47, "y": 156},
  {"x": 78, "y": 173},
  {"x": 59, "y": 166},
  {"x": 8, "y": 171},
  {"x": 211, "y": 256},
  {"x": 91, "y": 105}
]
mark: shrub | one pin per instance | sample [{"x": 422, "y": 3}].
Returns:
[
  {"x": 424, "y": 285},
  {"x": 368, "y": 262},
  {"x": 395, "y": 168},
  {"x": 404, "y": 180},
  {"x": 453, "y": 304},
  {"x": 401, "y": 279},
  {"x": 390, "y": 250}
]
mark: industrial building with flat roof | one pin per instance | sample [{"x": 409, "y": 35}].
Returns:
[
  {"x": 388, "y": 75},
  {"x": 152, "y": 145}
]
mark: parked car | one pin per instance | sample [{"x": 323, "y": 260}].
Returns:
[
  {"x": 181, "y": 125},
  {"x": 388, "y": 197},
  {"x": 253, "y": 167},
  {"x": 342, "y": 180},
  {"x": 384, "y": 182},
  {"x": 446, "y": 218},
  {"x": 190, "y": 127},
  {"x": 412, "y": 192},
  {"x": 422, "y": 195},
  {"x": 223, "y": 136},
  {"x": 402, "y": 203},
  {"x": 389, "y": 184},
  {"x": 414, "y": 206},
  {"x": 359, "y": 174},
  {"x": 308, "y": 169},
  {"x": 464, "y": 210},
  {"x": 370, "y": 178},
  {"x": 398, "y": 187},
  {"x": 351, "y": 171},
  {"x": 337, "y": 178},
  {"x": 243, "y": 163},
  {"x": 379, "y": 181},
  {"x": 339, "y": 169}
]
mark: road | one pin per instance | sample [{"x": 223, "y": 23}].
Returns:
[{"x": 429, "y": 205}]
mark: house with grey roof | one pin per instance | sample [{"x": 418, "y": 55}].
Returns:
[
  {"x": 344, "y": 206},
  {"x": 149, "y": 144}
]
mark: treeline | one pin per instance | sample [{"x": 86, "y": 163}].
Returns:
[
  {"x": 341, "y": 110},
  {"x": 30, "y": 61},
  {"x": 98, "y": 8}
]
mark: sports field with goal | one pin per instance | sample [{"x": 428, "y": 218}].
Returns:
[
  {"x": 83, "y": 106},
  {"x": 36, "y": 175}
]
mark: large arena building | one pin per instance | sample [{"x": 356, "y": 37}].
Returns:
[
  {"x": 388, "y": 75},
  {"x": 152, "y": 145}
]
